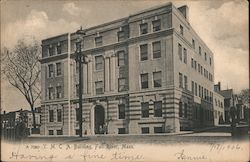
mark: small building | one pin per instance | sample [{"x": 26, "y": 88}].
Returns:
[
  {"x": 11, "y": 119},
  {"x": 233, "y": 106},
  {"x": 219, "y": 112}
]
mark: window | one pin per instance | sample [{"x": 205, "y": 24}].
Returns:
[
  {"x": 59, "y": 132},
  {"x": 185, "y": 110},
  {"x": 192, "y": 62},
  {"x": 51, "y": 51},
  {"x": 59, "y": 115},
  {"x": 202, "y": 92},
  {"x": 210, "y": 60},
  {"x": 122, "y": 85},
  {"x": 77, "y": 131},
  {"x": 181, "y": 29},
  {"x": 121, "y": 131},
  {"x": 144, "y": 28},
  {"x": 180, "y": 51},
  {"x": 180, "y": 81},
  {"x": 59, "y": 49},
  {"x": 144, "y": 80},
  {"x": 78, "y": 114},
  {"x": 195, "y": 87},
  {"x": 199, "y": 91},
  {"x": 210, "y": 96},
  {"x": 77, "y": 90},
  {"x": 157, "y": 49},
  {"x": 121, "y": 36},
  {"x": 121, "y": 58},
  {"x": 180, "y": 109},
  {"x": 158, "y": 109},
  {"x": 145, "y": 130},
  {"x": 51, "y": 70},
  {"x": 157, "y": 79},
  {"x": 193, "y": 43},
  {"x": 144, "y": 52},
  {"x": 51, "y": 132},
  {"x": 99, "y": 87},
  {"x": 156, "y": 25},
  {"x": 158, "y": 130},
  {"x": 205, "y": 93},
  {"x": 192, "y": 87},
  {"x": 185, "y": 82},
  {"x": 205, "y": 56},
  {"x": 58, "y": 68},
  {"x": 121, "y": 108},
  {"x": 199, "y": 50},
  {"x": 77, "y": 68},
  {"x": 98, "y": 41},
  {"x": 59, "y": 92},
  {"x": 199, "y": 68},
  {"x": 51, "y": 115},
  {"x": 99, "y": 62},
  {"x": 51, "y": 93},
  {"x": 185, "y": 55},
  {"x": 145, "y": 109},
  {"x": 195, "y": 63}
]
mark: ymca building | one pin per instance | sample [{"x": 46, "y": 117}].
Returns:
[{"x": 146, "y": 73}]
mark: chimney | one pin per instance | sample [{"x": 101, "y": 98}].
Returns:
[
  {"x": 219, "y": 86},
  {"x": 184, "y": 11},
  {"x": 4, "y": 112}
]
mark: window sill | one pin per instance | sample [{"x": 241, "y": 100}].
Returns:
[
  {"x": 158, "y": 58},
  {"x": 99, "y": 70}
]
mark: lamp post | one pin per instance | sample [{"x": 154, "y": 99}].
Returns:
[{"x": 80, "y": 59}]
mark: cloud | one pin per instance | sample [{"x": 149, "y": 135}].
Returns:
[
  {"x": 36, "y": 24},
  {"x": 225, "y": 31},
  {"x": 71, "y": 9}
]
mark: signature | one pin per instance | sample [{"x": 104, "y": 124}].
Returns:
[{"x": 184, "y": 156}]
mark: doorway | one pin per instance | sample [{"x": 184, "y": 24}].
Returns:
[{"x": 99, "y": 119}]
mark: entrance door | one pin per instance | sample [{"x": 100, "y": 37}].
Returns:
[{"x": 99, "y": 119}]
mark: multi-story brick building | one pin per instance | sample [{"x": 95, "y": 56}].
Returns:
[
  {"x": 10, "y": 120},
  {"x": 146, "y": 73}
]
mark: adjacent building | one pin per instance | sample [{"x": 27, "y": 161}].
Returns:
[
  {"x": 146, "y": 73},
  {"x": 233, "y": 105},
  {"x": 10, "y": 120},
  {"x": 219, "y": 113}
]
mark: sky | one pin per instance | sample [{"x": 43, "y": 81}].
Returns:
[{"x": 222, "y": 25}]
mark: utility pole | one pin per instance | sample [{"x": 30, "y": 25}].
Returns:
[{"x": 80, "y": 59}]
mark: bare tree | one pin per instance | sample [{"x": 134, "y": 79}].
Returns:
[
  {"x": 244, "y": 95},
  {"x": 21, "y": 67}
]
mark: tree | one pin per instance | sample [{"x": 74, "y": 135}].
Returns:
[
  {"x": 21, "y": 67},
  {"x": 244, "y": 95}
]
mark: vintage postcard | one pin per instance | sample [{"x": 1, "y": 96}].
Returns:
[{"x": 127, "y": 80}]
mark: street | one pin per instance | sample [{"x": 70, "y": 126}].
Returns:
[{"x": 209, "y": 135}]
